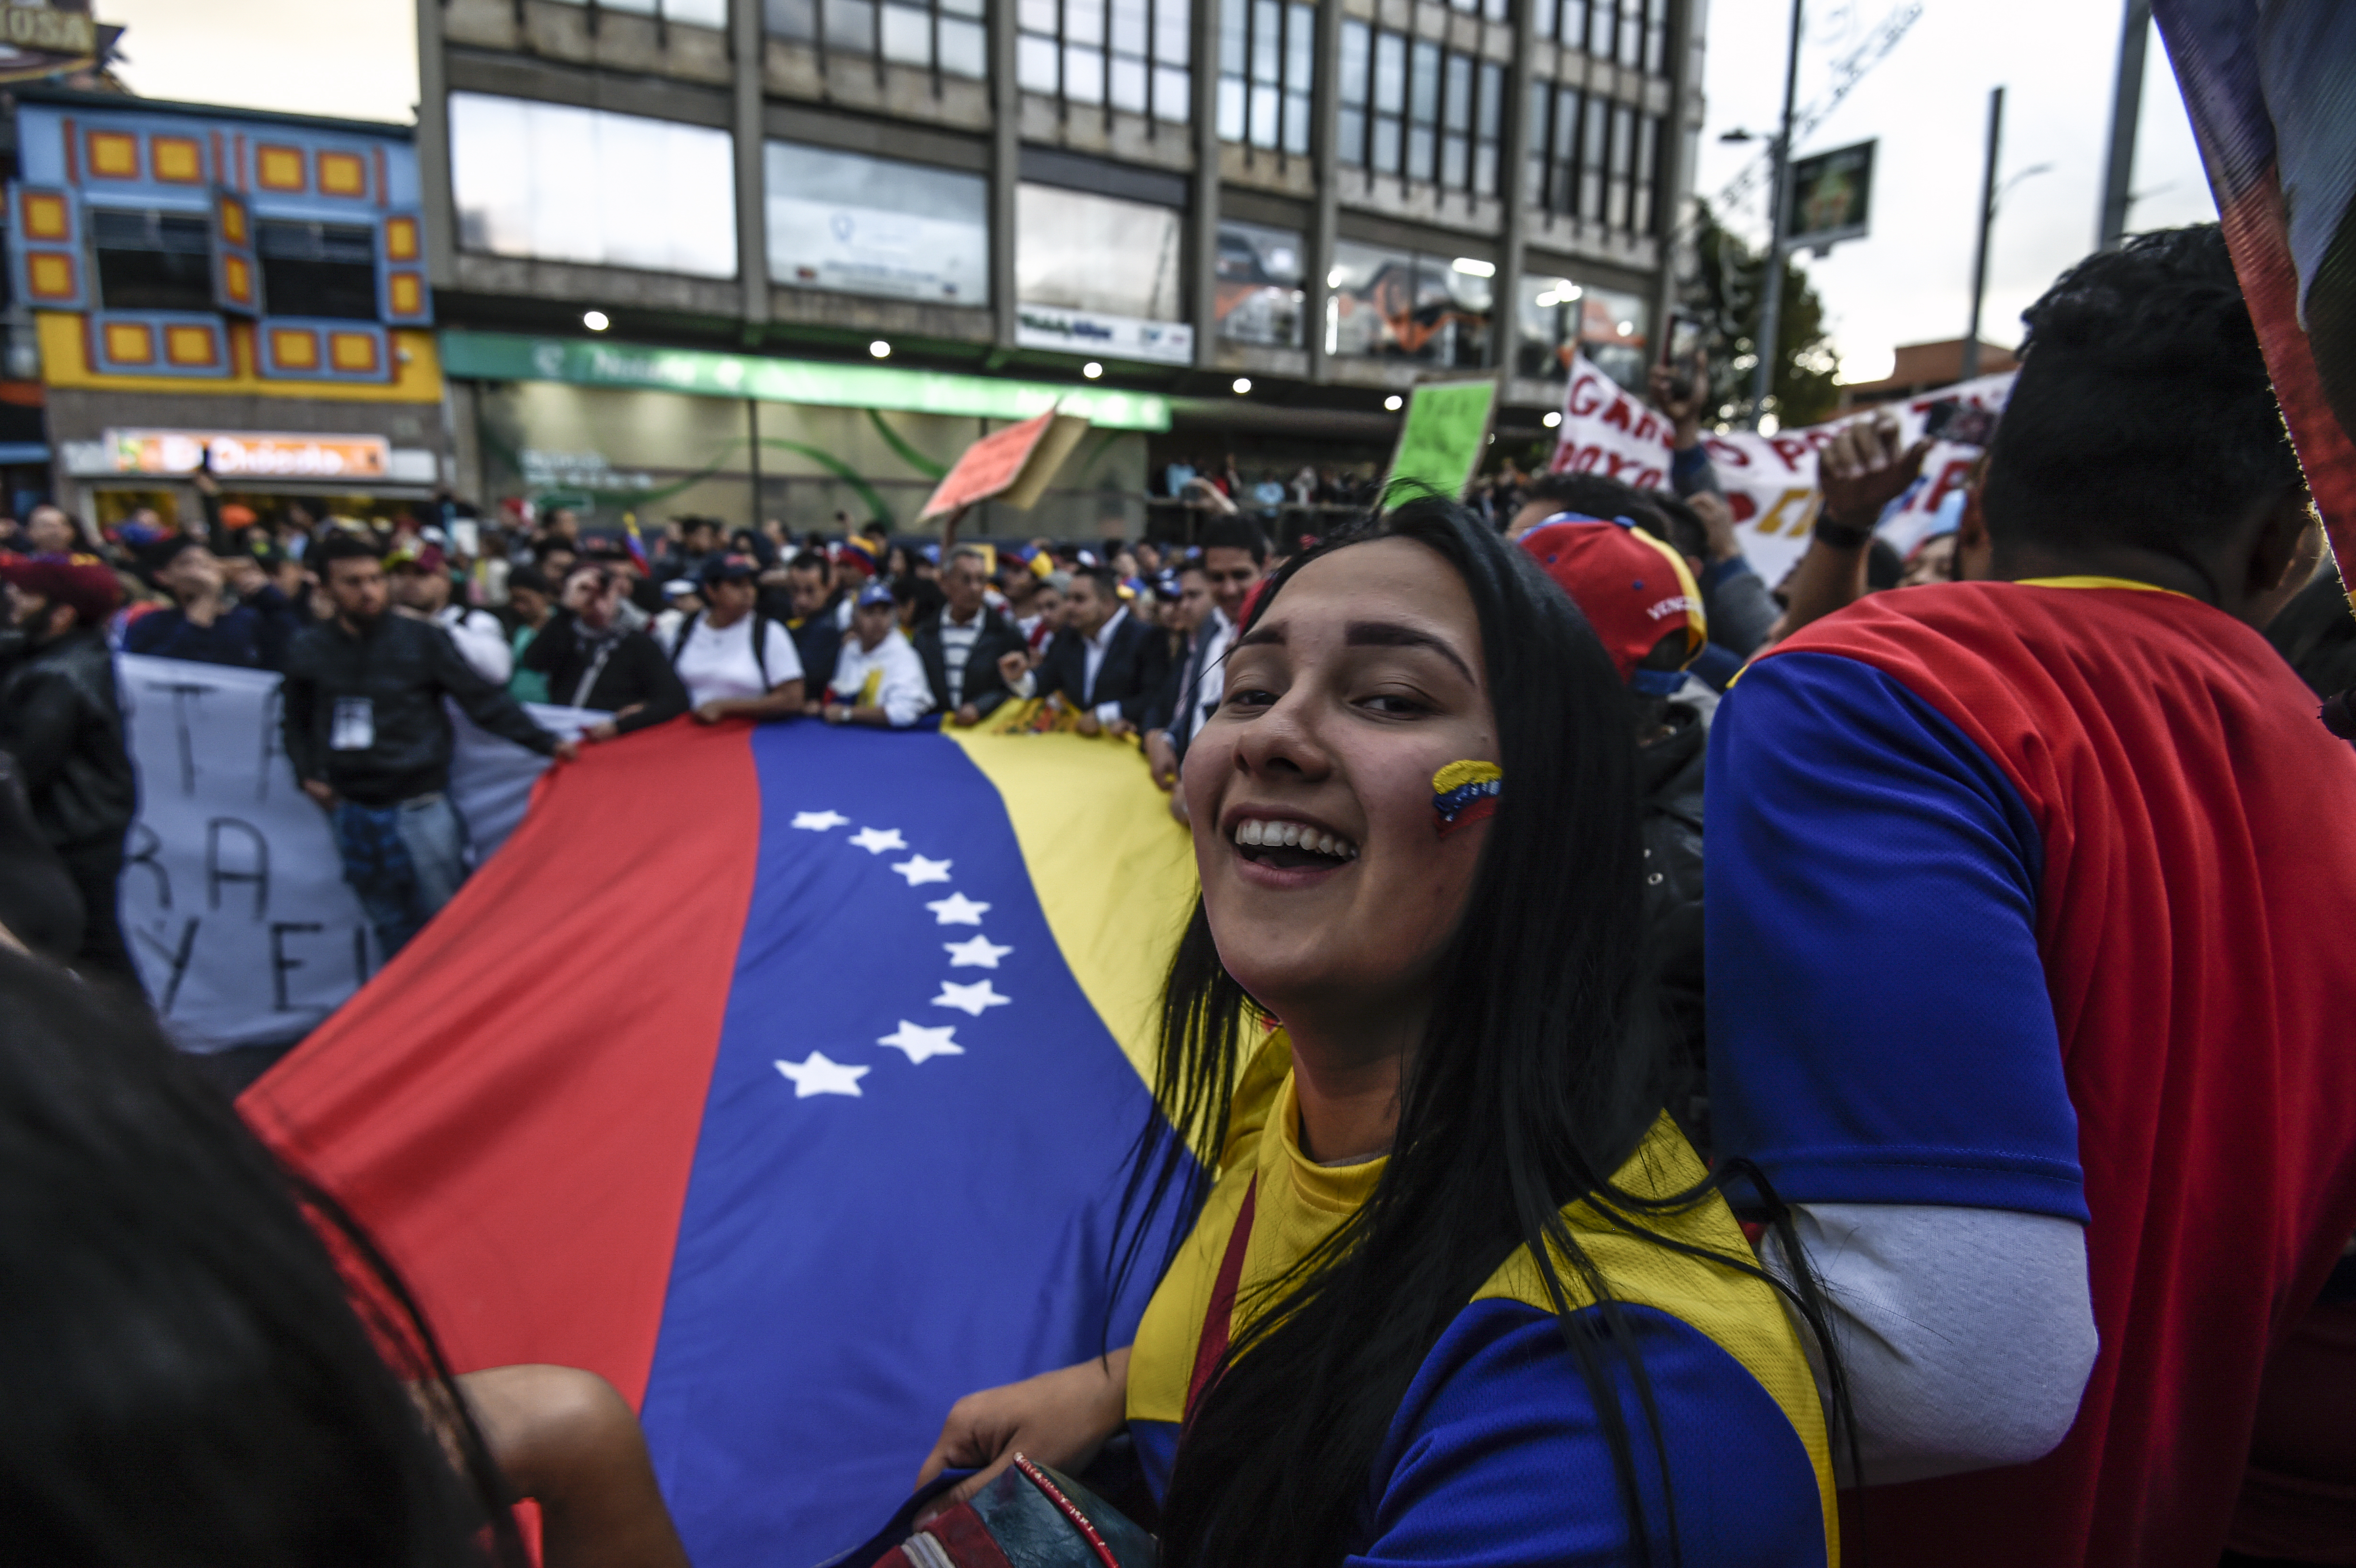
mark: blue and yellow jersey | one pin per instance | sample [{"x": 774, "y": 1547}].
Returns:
[{"x": 1497, "y": 1455}]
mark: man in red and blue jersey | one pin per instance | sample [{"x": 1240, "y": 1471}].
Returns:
[{"x": 2028, "y": 903}]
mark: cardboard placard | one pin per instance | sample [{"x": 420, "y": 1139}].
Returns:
[
  {"x": 1013, "y": 465},
  {"x": 1441, "y": 439}
]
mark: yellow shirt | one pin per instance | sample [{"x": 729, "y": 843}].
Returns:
[{"x": 1726, "y": 1365}]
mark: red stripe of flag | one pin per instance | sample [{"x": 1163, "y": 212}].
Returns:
[{"x": 441, "y": 1101}]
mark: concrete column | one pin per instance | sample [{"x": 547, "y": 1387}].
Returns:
[
  {"x": 1324, "y": 117},
  {"x": 1203, "y": 227},
  {"x": 1514, "y": 185},
  {"x": 752, "y": 202},
  {"x": 1005, "y": 165},
  {"x": 434, "y": 148}
]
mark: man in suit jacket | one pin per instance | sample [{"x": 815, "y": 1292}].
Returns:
[
  {"x": 1105, "y": 662},
  {"x": 1192, "y": 685},
  {"x": 961, "y": 646}
]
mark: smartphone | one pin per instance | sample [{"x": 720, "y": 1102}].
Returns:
[
  {"x": 1951, "y": 418},
  {"x": 1681, "y": 351}
]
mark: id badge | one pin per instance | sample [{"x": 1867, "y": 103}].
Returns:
[{"x": 354, "y": 728}]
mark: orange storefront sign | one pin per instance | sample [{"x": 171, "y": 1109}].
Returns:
[{"x": 247, "y": 455}]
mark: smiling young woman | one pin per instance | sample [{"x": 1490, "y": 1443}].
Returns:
[{"x": 1458, "y": 1291}]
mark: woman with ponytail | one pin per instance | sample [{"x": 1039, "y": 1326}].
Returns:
[{"x": 1457, "y": 1291}]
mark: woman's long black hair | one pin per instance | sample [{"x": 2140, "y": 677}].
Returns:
[
  {"x": 1538, "y": 1076},
  {"x": 205, "y": 1360}
]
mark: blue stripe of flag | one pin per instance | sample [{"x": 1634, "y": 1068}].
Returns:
[{"x": 910, "y": 1163}]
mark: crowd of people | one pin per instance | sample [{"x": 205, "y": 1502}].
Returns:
[{"x": 1981, "y": 944}]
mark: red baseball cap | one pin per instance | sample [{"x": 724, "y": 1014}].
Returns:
[
  {"x": 90, "y": 589},
  {"x": 1633, "y": 589}
]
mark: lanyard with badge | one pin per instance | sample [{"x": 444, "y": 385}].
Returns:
[{"x": 353, "y": 728}]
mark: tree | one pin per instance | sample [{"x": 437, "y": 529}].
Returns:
[{"x": 1722, "y": 293}]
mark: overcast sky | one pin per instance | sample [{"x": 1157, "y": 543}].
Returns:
[
  {"x": 1927, "y": 102},
  {"x": 1910, "y": 281},
  {"x": 352, "y": 58}
]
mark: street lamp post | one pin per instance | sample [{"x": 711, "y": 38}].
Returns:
[
  {"x": 2127, "y": 107},
  {"x": 1771, "y": 293},
  {"x": 1971, "y": 366}
]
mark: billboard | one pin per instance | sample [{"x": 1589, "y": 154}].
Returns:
[{"x": 1829, "y": 198}]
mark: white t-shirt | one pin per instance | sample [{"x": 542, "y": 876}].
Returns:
[
  {"x": 718, "y": 666},
  {"x": 897, "y": 677}
]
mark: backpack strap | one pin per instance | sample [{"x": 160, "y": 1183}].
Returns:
[
  {"x": 760, "y": 648},
  {"x": 686, "y": 630}
]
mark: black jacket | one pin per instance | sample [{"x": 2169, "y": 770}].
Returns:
[
  {"x": 1132, "y": 673},
  {"x": 252, "y": 634},
  {"x": 1669, "y": 770},
  {"x": 638, "y": 672},
  {"x": 985, "y": 687},
  {"x": 1179, "y": 682},
  {"x": 61, "y": 719},
  {"x": 817, "y": 640},
  {"x": 401, "y": 667}
]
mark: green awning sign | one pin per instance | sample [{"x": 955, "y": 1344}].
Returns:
[
  {"x": 1441, "y": 439},
  {"x": 511, "y": 357}
]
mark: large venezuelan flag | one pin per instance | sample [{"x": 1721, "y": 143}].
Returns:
[{"x": 784, "y": 1076}]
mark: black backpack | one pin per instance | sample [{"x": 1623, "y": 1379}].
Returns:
[{"x": 761, "y": 624}]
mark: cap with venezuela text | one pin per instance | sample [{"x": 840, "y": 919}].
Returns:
[{"x": 1633, "y": 588}]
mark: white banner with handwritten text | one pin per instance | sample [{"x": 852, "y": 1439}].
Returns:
[
  {"x": 233, "y": 899},
  {"x": 1770, "y": 480}
]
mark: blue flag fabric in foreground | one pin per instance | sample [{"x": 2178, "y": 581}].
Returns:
[
  {"x": 796, "y": 1219},
  {"x": 910, "y": 1093}
]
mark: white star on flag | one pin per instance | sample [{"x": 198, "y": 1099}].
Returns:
[
  {"x": 819, "y": 1076},
  {"x": 875, "y": 840},
  {"x": 972, "y": 998},
  {"x": 921, "y": 1044},
  {"x": 818, "y": 821},
  {"x": 919, "y": 870},
  {"x": 978, "y": 953},
  {"x": 957, "y": 910}
]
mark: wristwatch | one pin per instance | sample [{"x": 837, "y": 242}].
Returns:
[{"x": 1841, "y": 536}]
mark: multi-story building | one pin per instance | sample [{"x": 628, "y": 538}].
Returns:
[
  {"x": 782, "y": 256},
  {"x": 213, "y": 287}
]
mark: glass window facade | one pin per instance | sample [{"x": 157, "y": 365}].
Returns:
[
  {"x": 1259, "y": 286},
  {"x": 1594, "y": 158},
  {"x": 698, "y": 13},
  {"x": 1632, "y": 33},
  {"x": 1393, "y": 304},
  {"x": 1096, "y": 254},
  {"x": 1409, "y": 107},
  {"x": 561, "y": 184},
  {"x": 1268, "y": 66},
  {"x": 318, "y": 269},
  {"x": 1558, "y": 317},
  {"x": 1130, "y": 55},
  {"x": 154, "y": 260},
  {"x": 946, "y": 36},
  {"x": 876, "y": 226}
]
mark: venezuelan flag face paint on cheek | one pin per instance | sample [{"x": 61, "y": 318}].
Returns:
[{"x": 1464, "y": 791}]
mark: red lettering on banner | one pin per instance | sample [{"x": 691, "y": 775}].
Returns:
[
  {"x": 1648, "y": 428},
  {"x": 1952, "y": 476},
  {"x": 1726, "y": 451},
  {"x": 1581, "y": 401},
  {"x": 1791, "y": 449},
  {"x": 1743, "y": 508},
  {"x": 1616, "y": 416}
]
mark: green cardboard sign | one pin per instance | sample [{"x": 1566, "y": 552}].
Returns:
[{"x": 1441, "y": 439}]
